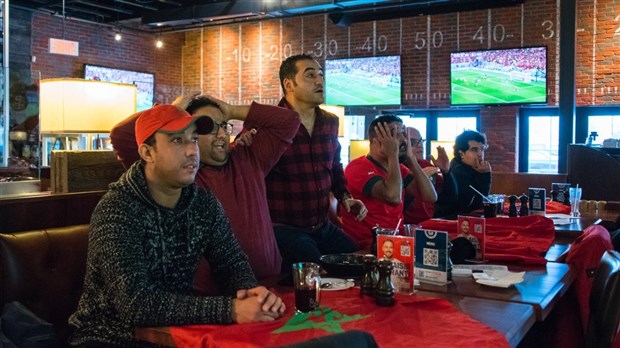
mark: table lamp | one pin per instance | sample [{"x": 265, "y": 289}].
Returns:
[{"x": 78, "y": 106}]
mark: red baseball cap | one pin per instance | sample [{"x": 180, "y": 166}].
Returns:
[{"x": 168, "y": 119}]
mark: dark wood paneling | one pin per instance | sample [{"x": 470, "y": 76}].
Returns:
[{"x": 47, "y": 211}]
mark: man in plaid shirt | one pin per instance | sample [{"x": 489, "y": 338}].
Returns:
[{"x": 298, "y": 187}]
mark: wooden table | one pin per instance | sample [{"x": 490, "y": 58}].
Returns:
[
  {"x": 512, "y": 320},
  {"x": 557, "y": 252},
  {"x": 494, "y": 314},
  {"x": 542, "y": 287},
  {"x": 569, "y": 233}
]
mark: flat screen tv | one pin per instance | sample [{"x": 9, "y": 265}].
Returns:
[
  {"x": 145, "y": 82},
  {"x": 499, "y": 76},
  {"x": 363, "y": 81}
]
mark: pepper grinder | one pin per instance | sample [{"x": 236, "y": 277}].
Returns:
[
  {"x": 369, "y": 280},
  {"x": 373, "y": 245},
  {"x": 523, "y": 210},
  {"x": 512, "y": 209},
  {"x": 384, "y": 290}
]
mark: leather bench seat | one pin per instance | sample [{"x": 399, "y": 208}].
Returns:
[{"x": 44, "y": 270}]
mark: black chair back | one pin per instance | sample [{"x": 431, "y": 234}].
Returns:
[{"x": 605, "y": 302}]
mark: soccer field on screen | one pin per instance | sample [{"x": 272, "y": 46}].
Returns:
[
  {"x": 485, "y": 87},
  {"x": 346, "y": 89}
]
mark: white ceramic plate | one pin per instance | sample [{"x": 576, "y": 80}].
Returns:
[{"x": 336, "y": 284}]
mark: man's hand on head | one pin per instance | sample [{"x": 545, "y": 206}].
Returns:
[
  {"x": 389, "y": 142},
  {"x": 183, "y": 101}
]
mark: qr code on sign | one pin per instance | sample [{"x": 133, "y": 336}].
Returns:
[{"x": 431, "y": 257}]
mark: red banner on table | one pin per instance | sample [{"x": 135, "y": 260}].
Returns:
[
  {"x": 523, "y": 239},
  {"x": 412, "y": 321}
]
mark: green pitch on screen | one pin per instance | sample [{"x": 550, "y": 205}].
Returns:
[
  {"x": 476, "y": 87},
  {"x": 343, "y": 89}
]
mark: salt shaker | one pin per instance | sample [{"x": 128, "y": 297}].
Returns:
[
  {"x": 369, "y": 279},
  {"x": 523, "y": 210},
  {"x": 384, "y": 290},
  {"x": 512, "y": 209}
]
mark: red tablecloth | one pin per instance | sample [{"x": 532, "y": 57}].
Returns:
[
  {"x": 522, "y": 239},
  {"x": 552, "y": 207},
  {"x": 414, "y": 321},
  {"x": 557, "y": 208}
]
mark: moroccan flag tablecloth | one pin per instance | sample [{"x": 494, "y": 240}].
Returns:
[
  {"x": 414, "y": 321},
  {"x": 523, "y": 239}
]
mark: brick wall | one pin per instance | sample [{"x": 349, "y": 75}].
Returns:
[
  {"x": 136, "y": 51},
  {"x": 239, "y": 63}
]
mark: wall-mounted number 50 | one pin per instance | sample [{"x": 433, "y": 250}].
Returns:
[{"x": 436, "y": 39}]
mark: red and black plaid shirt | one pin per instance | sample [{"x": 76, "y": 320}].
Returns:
[{"x": 298, "y": 186}]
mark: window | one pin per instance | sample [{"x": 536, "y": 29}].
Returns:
[
  {"x": 448, "y": 128},
  {"x": 607, "y": 126},
  {"x": 543, "y": 144},
  {"x": 605, "y": 120}
]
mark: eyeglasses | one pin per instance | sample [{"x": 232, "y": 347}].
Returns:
[
  {"x": 477, "y": 149},
  {"x": 416, "y": 142},
  {"x": 227, "y": 127}
]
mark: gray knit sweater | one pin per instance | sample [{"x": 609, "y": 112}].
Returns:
[{"x": 142, "y": 258}]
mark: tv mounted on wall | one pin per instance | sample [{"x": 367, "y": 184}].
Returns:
[
  {"x": 499, "y": 76},
  {"x": 363, "y": 81},
  {"x": 145, "y": 82}
]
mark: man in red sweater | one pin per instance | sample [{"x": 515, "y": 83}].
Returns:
[{"x": 236, "y": 175}]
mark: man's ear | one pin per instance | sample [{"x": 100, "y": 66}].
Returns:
[
  {"x": 288, "y": 84},
  {"x": 146, "y": 152}
]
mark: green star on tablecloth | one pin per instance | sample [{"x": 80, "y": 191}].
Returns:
[{"x": 331, "y": 321}]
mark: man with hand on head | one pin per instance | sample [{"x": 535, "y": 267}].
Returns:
[
  {"x": 382, "y": 182},
  {"x": 470, "y": 170},
  {"x": 298, "y": 187},
  {"x": 147, "y": 235},
  {"x": 236, "y": 175},
  {"x": 438, "y": 170}
]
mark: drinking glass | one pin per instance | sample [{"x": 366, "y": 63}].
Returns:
[
  {"x": 409, "y": 229},
  {"x": 490, "y": 206},
  {"x": 574, "y": 196},
  {"x": 499, "y": 203},
  {"x": 307, "y": 282}
]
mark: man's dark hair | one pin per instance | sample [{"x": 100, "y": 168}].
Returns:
[
  {"x": 381, "y": 119},
  {"x": 462, "y": 141},
  {"x": 199, "y": 102},
  {"x": 288, "y": 68}
]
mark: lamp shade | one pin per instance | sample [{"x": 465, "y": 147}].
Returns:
[{"x": 69, "y": 105}]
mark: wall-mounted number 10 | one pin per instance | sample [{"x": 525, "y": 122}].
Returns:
[{"x": 244, "y": 55}]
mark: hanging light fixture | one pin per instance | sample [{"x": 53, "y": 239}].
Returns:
[
  {"x": 159, "y": 43},
  {"x": 118, "y": 36}
]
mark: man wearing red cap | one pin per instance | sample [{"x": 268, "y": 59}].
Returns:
[
  {"x": 147, "y": 235},
  {"x": 235, "y": 175}
]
